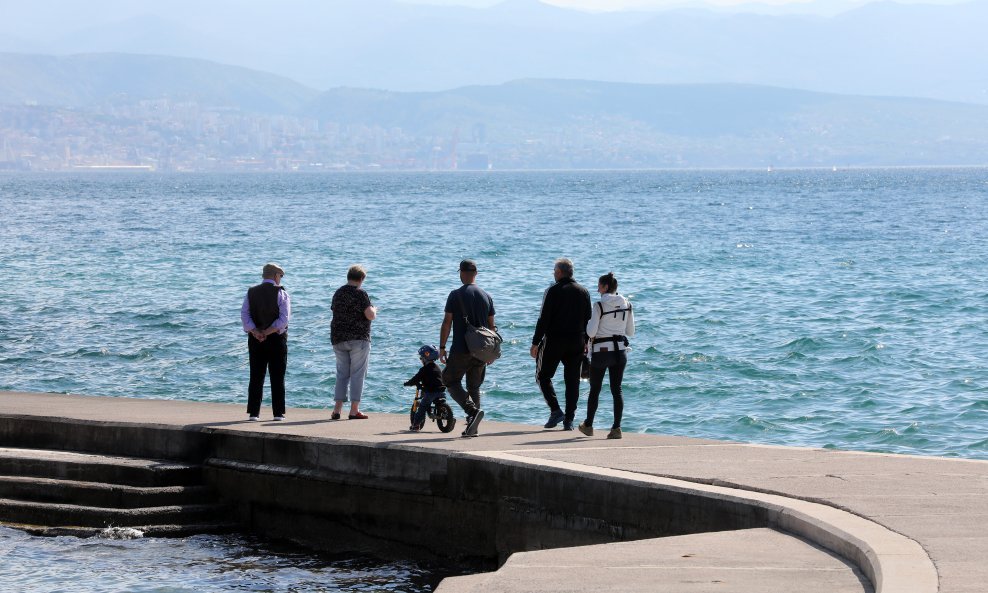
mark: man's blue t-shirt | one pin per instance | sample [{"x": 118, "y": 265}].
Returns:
[{"x": 479, "y": 306}]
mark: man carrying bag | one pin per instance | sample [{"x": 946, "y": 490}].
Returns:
[{"x": 469, "y": 312}]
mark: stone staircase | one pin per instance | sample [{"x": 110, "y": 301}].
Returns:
[{"x": 62, "y": 493}]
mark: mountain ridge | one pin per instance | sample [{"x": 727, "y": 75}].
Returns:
[
  {"x": 88, "y": 79},
  {"x": 202, "y": 112},
  {"x": 874, "y": 49}
]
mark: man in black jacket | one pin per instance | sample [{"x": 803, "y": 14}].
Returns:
[{"x": 561, "y": 336}]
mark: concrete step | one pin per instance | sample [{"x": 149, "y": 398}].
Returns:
[
  {"x": 65, "y": 493},
  {"x": 465, "y": 584},
  {"x": 146, "y": 530},
  {"x": 56, "y": 514},
  {"x": 746, "y": 560},
  {"x": 84, "y": 467},
  {"x": 100, "y": 495}
]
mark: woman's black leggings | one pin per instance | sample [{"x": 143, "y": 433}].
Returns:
[{"x": 613, "y": 363}]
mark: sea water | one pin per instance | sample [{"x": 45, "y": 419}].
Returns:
[
  {"x": 844, "y": 309},
  {"x": 198, "y": 564}
]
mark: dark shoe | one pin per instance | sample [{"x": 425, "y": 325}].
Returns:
[
  {"x": 335, "y": 416},
  {"x": 472, "y": 425},
  {"x": 358, "y": 416},
  {"x": 587, "y": 430},
  {"x": 567, "y": 426},
  {"x": 554, "y": 419},
  {"x": 415, "y": 428},
  {"x": 614, "y": 434}
]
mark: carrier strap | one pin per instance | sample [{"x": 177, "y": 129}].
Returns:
[
  {"x": 614, "y": 339},
  {"x": 623, "y": 312}
]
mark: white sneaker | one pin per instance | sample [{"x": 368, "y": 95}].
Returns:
[
  {"x": 254, "y": 419},
  {"x": 279, "y": 418}
]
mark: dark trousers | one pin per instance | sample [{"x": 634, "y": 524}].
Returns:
[
  {"x": 568, "y": 351},
  {"x": 612, "y": 363},
  {"x": 458, "y": 365},
  {"x": 426, "y": 400},
  {"x": 269, "y": 355}
]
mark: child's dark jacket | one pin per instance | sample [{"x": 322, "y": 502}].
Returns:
[{"x": 429, "y": 377}]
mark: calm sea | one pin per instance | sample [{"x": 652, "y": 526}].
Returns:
[{"x": 844, "y": 309}]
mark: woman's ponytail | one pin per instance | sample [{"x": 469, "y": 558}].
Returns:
[{"x": 609, "y": 281}]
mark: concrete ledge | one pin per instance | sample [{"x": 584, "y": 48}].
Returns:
[
  {"x": 761, "y": 560},
  {"x": 892, "y": 562},
  {"x": 368, "y": 484}
]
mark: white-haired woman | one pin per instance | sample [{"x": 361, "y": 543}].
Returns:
[{"x": 350, "y": 334}]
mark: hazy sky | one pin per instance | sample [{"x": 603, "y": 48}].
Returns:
[
  {"x": 887, "y": 48},
  {"x": 612, "y": 5}
]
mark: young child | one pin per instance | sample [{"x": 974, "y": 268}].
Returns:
[{"x": 430, "y": 379}]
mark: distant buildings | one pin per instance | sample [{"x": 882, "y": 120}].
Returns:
[{"x": 184, "y": 136}]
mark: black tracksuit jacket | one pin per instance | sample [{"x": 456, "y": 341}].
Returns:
[{"x": 565, "y": 312}]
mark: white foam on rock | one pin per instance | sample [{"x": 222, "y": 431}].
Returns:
[{"x": 120, "y": 533}]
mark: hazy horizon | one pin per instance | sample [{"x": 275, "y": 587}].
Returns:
[
  {"x": 855, "y": 48},
  {"x": 408, "y": 85},
  {"x": 821, "y": 6}
]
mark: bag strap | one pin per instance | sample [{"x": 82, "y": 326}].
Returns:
[{"x": 463, "y": 307}]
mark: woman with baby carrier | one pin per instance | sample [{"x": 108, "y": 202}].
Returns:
[{"x": 612, "y": 322}]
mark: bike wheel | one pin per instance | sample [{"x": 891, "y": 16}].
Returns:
[{"x": 444, "y": 417}]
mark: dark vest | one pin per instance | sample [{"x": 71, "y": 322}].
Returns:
[{"x": 263, "y": 300}]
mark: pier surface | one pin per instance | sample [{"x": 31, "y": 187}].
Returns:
[{"x": 830, "y": 521}]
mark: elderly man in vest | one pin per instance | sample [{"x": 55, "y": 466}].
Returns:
[{"x": 265, "y": 314}]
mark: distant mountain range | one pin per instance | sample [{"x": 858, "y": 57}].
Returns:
[
  {"x": 95, "y": 79},
  {"x": 677, "y": 125},
  {"x": 882, "y": 48},
  {"x": 533, "y": 122}
]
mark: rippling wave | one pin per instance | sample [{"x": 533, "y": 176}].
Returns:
[
  {"x": 847, "y": 314},
  {"x": 120, "y": 562}
]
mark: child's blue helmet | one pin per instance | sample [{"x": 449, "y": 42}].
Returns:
[{"x": 429, "y": 353}]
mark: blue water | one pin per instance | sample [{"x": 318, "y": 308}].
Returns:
[
  {"x": 843, "y": 309},
  {"x": 199, "y": 564}
]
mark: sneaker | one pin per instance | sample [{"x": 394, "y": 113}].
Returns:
[
  {"x": 554, "y": 419},
  {"x": 473, "y": 423},
  {"x": 414, "y": 428},
  {"x": 254, "y": 419},
  {"x": 614, "y": 434},
  {"x": 279, "y": 418},
  {"x": 567, "y": 426},
  {"x": 587, "y": 430}
]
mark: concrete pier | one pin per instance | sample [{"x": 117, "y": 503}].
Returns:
[{"x": 554, "y": 510}]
